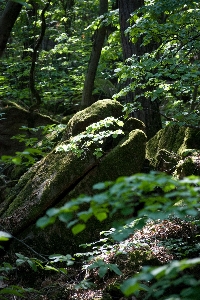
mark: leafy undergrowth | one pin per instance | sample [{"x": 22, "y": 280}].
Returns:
[
  {"x": 154, "y": 255},
  {"x": 94, "y": 277}
]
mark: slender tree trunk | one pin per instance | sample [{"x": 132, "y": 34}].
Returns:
[
  {"x": 7, "y": 21},
  {"x": 34, "y": 91},
  {"x": 100, "y": 35},
  {"x": 150, "y": 113}
]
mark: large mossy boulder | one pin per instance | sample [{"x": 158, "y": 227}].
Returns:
[
  {"x": 170, "y": 145},
  {"x": 61, "y": 176},
  {"x": 92, "y": 114}
]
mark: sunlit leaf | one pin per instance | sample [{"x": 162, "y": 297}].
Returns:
[
  {"x": 5, "y": 236},
  {"x": 78, "y": 228}
]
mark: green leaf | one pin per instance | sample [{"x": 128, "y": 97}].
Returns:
[
  {"x": 45, "y": 221},
  {"x": 12, "y": 290},
  {"x": 52, "y": 212},
  {"x": 32, "y": 265},
  {"x": 33, "y": 151},
  {"x": 65, "y": 217},
  {"x": 114, "y": 268},
  {"x": 101, "y": 216},
  {"x": 102, "y": 271},
  {"x": 84, "y": 216},
  {"x": 63, "y": 270},
  {"x": 78, "y": 228},
  {"x": 60, "y": 258},
  {"x": 120, "y": 123},
  {"x": 50, "y": 268},
  {"x": 5, "y": 236},
  {"x": 17, "y": 160},
  {"x": 20, "y": 261},
  {"x": 99, "y": 186},
  {"x": 130, "y": 286}
]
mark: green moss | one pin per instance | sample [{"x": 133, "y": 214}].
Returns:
[
  {"x": 39, "y": 189},
  {"x": 189, "y": 152},
  {"x": 126, "y": 158},
  {"x": 94, "y": 113},
  {"x": 189, "y": 166},
  {"x": 166, "y": 161},
  {"x": 132, "y": 124},
  {"x": 174, "y": 139},
  {"x": 65, "y": 120},
  {"x": 191, "y": 140}
]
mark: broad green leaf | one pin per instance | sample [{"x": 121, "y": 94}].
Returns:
[
  {"x": 84, "y": 216},
  {"x": 5, "y": 236},
  {"x": 102, "y": 271},
  {"x": 101, "y": 216},
  {"x": 14, "y": 291},
  {"x": 78, "y": 228},
  {"x": 99, "y": 186},
  {"x": 159, "y": 272},
  {"x": 115, "y": 269},
  {"x": 52, "y": 212},
  {"x": 130, "y": 286},
  {"x": 120, "y": 123},
  {"x": 32, "y": 264},
  {"x": 63, "y": 270},
  {"x": 33, "y": 151},
  {"x": 20, "y": 262},
  {"x": 17, "y": 160},
  {"x": 66, "y": 217},
  {"x": 45, "y": 221}
]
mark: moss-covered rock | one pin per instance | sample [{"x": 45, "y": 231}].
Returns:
[
  {"x": 188, "y": 166},
  {"x": 61, "y": 176},
  {"x": 125, "y": 159},
  {"x": 173, "y": 140},
  {"x": 166, "y": 161},
  {"x": 41, "y": 188},
  {"x": 132, "y": 124},
  {"x": 92, "y": 114},
  {"x": 65, "y": 120}
]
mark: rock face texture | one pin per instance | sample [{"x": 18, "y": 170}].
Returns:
[
  {"x": 61, "y": 176},
  {"x": 176, "y": 150}
]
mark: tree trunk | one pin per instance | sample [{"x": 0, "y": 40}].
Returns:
[
  {"x": 150, "y": 113},
  {"x": 34, "y": 91},
  {"x": 100, "y": 35},
  {"x": 7, "y": 21},
  {"x": 125, "y": 10}
]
